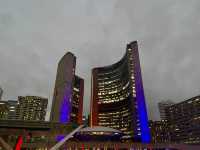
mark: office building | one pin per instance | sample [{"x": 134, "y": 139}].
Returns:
[
  {"x": 8, "y": 110},
  {"x": 32, "y": 108},
  {"x": 67, "y": 102},
  {"x": 12, "y": 106},
  {"x": 184, "y": 119},
  {"x": 118, "y": 99},
  {"x": 162, "y": 108},
  {"x": 3, "y": 110},
  {"x": 160, "y": 131},
  {"x": 77, "y": 100}
]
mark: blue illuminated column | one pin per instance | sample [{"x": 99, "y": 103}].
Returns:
[
  {"x": 140, "y": 98},
  {"x": 65, "y": 108}
]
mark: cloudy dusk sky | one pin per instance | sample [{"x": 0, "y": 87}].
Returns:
[{"x": 35, "y": 34}]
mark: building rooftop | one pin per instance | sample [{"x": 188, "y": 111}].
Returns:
[{"x": 99, "y": 129}]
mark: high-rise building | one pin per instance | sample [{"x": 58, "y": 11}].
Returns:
[
  {"x": 12, "y": 106},
  {"x": 77, "y": 100},
  {"x": 32, "y": 108},
  {"x": 162, "y": 108},
  {"x": 160, "y": 131},
  {"x": 8, "y": 110},
  {"x": 184, "y": 120},
  {"x": 67, "y": 102},
  {"x": 1, "y": 93},
  {"x": 118, "y": 99},
  {"x": 3, "y": 110}
]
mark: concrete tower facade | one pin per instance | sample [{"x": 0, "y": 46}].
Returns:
[{"x": 68, "y": 92}]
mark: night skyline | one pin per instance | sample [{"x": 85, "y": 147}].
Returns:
[{"x": 34, "y": 37}]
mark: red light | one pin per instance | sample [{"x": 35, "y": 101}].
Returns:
[
  {"x": 82, "y": 148},
  {"x": 19, "y": 143}
]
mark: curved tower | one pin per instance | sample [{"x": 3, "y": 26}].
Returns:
[
  {"x": 118, "y": 99},
  {"x": 67, "y": 105}
]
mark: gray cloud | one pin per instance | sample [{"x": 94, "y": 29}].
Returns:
[{"x": 34, "y": 35}]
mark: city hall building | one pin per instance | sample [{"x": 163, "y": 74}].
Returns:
[
  {"x": 67, "y": 105},
  {"x": 118, "y": 99}
]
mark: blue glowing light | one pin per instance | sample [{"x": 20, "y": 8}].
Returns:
[
  {"x": 65, "y": 108},
  {"x": 140, "y": 99},
  {"x": 59, "y": 138}
]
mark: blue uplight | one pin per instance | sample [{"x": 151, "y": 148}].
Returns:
[
  {"x": 65, "y": 107},
  {"x": 59, "y": 138},
  {"x": 140, "y": 99}
]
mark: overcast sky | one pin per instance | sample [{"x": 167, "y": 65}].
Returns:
[{"x": 35, "y": 34}]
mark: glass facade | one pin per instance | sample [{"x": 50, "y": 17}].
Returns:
[
  {"x": 77, "y": 100},
  {"x": 118, "y": 98},
  {"x": 31, "y": 108},
  {"x": 4, "y": 110},
  {"x": 184, "y": 120},
  {"x": 160, "y": 131}
]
